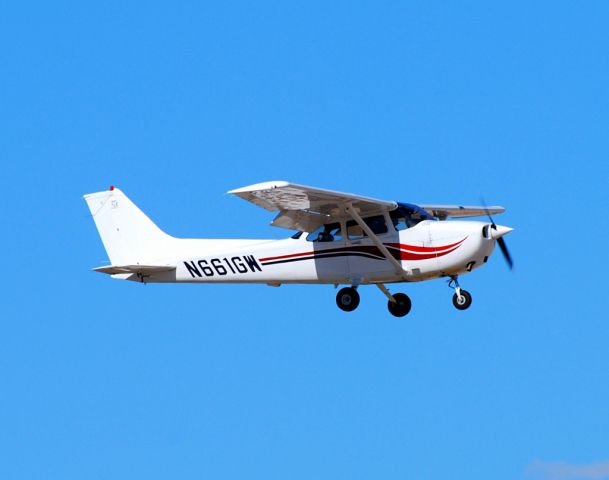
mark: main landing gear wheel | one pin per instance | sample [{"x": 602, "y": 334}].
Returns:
[
  {"x": 347, "y": 299},
  {"x": 401, "y": 306},
  {"x": 463, "y": 301}
]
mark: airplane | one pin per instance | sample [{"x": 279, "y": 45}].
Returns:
[{"x": 340, "y": 239}]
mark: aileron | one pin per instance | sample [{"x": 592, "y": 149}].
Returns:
[{"x": 460, "y": 211}]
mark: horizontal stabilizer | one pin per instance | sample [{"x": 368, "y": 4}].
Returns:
[{"x": 141, "y": 269}]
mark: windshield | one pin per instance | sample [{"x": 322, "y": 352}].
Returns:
[{"x": 408, "y": 215}]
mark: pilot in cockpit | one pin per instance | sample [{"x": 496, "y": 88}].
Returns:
[
  {"x": 325, "y": 233},
  {"x": 325, "y": 236}
]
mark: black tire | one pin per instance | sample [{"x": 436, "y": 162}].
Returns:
[
  {"x": 347, "y": 299},
  {"x": 402, "y": 305},
  {"x": 464, "y": 302}
]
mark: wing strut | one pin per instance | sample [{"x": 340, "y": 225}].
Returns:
[
  {"x": 383, "y": 289},
  {"x": 397, "y": 265}
]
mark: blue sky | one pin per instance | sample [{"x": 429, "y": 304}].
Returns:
[{"x": 413, "y": 101}]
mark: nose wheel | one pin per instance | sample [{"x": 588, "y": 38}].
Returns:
[
  {"x": 462, "y": 299},
  {"x": 347, "y": 299}
]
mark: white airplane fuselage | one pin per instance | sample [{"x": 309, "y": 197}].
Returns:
[{"x": 427, "y": 250}]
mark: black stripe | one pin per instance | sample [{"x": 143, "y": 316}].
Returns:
[{"x": 326, "y": 255}]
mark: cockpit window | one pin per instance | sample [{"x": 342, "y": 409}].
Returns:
[
  {"x": 297, "y": 235},
  {"x": 326, "y": 233},
  {"x": 408, "y": 215},
  {"x": 377, "y": 225}
]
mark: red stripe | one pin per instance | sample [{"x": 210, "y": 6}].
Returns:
[
  {"x": 405, "y": 254},
  {"x": 280, "y": 257},
  {"x": 424, "y": 256},
  {"x": 416, "y": 248}
]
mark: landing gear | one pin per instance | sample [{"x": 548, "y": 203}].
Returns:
[
  {"x": 401, "y": 306},
  {"x": 462, "y": 299},
  {"x": 347, "y": 299}
]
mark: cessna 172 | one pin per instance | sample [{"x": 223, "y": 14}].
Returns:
[{"x": 341, "y": 239}]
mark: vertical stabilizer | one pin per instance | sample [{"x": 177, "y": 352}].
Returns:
[{"x": 128, "y": 235}]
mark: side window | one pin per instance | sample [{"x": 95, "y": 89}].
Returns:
[
  {"x": 354, "y": 231},
  {"x": 333, "y": 232},
  {"x": 377, "y": 224},
  {"x": 326, "y": 233}
]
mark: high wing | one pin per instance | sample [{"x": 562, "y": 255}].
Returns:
[
  {"x": 460, "y": 211},
  {"x": 305, "y": 208}
]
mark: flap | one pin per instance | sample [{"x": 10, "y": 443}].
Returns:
[{"x": 300, "y": 220}]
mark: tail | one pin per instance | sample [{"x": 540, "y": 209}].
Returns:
[{"x": 128, "y": 235}]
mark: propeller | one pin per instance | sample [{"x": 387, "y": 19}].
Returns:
[{"x": 500, "y": 241}]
